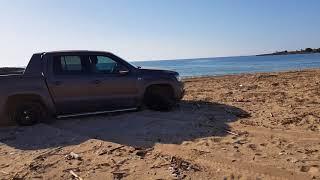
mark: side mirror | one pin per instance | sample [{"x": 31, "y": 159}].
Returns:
[{"x": 123, "y": 72}]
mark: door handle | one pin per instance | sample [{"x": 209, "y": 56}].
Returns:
[
  {"x": 96, "y": 82},
  {"x": 57, "y": 83}
]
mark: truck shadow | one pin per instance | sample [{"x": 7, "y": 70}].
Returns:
[{"x": 189, "y": 121}]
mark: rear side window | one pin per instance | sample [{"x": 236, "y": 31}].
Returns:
[{"x": 69, "y": 64}]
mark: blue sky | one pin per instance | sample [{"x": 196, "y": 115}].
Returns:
[{"x": 153, "y": 30}]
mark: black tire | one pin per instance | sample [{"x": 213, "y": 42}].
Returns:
[
  {"x": 159, "y": 99},
  {"x": 28, "y": 113}
]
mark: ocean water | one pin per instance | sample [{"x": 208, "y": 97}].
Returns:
[{"x": 235, "y": 65}]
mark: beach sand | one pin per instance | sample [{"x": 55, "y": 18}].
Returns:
[{"x": 250, "y": 126}]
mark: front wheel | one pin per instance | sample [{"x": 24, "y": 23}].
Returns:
[
  {"x": 29, "y": 113},
  {"x": 159, "y": 99}
]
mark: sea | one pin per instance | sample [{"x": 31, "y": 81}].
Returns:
[{"x": 235, "y": 65}]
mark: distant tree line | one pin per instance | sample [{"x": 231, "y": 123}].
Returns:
[{"x": 302, "y": 51}]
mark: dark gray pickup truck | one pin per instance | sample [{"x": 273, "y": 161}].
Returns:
[{"x": 74, "y": 83}]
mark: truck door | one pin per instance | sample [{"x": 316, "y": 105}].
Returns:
[
  {"x": 116, "y": 85},
  {"x": 69, "y": 83}
]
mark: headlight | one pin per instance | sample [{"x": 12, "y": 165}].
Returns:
[{"x": 178, "y": 77}]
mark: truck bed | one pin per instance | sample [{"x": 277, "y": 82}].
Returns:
[
  {"x": 11, "y": 70},
  {"x": 16, "y": 84}
]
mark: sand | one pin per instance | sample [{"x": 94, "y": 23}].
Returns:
[{"x": 247, "y": 126}]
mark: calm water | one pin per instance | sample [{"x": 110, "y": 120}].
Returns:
[{"x": 235, "y": 65}]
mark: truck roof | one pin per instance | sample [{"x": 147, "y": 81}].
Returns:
[
  {"x": 35, "y": 64},
  {"x": 73, "y": 51}
]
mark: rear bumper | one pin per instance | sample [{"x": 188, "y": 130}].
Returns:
[
  {"x": 4, "y": 119},
  {"x": 180, "y": 91}
]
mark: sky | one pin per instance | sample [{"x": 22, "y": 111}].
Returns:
[{"x": 156, "y": 30}]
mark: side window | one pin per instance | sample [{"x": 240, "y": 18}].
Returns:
[
  {"x": 103, "y": 65},
  {"x": 68, "y": 65}
]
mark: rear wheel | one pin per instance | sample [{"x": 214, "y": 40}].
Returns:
[
  {"x": 29, "y": 113},
  {"x": 159, "y": 98}
]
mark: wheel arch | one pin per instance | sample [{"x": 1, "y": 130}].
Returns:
[
  {"x": 163, "y": 86},
  {"x": 14, "y": 100}
]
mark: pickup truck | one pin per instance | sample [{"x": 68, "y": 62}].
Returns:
[{"x": 63, "y": 84}]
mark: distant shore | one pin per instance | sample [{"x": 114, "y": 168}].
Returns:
[{"x": 302, "y": 51}]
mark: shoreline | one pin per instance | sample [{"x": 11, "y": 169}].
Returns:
[{"x": 248, "y": 73}]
